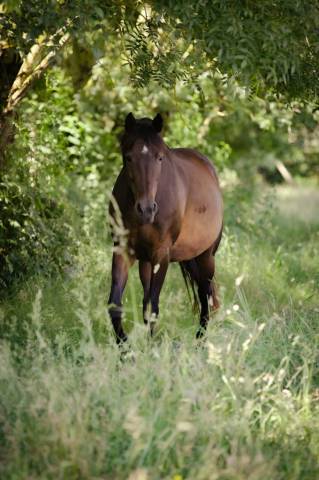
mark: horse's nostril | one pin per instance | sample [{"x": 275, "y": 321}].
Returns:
[
  {"x": 139, "y": 208},
  {"x": 146, "y": 211}
]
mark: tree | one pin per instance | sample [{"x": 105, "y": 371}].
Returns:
[
  {"x": 32, "y": 34},
  {"x": 267, "y": 45}
]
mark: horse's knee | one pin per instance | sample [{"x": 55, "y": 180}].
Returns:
[{"x": 115, "y": 294}]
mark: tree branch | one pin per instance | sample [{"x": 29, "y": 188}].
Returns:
[{"x": 33, "y": 67}]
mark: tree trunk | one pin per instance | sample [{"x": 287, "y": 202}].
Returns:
[{"x": 7, "y": 131}]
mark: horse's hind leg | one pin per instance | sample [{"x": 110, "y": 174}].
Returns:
[
  {"x": 157, "y": 282},
  {"x": 206, "y": 289}
]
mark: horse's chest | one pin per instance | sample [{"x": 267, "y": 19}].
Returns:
[{"x": 150, "y": 243}]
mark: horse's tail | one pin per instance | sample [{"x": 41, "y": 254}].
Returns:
[{"x": 189, "y": 271}]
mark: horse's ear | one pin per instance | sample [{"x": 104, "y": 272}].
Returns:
[
  {"x": 158, "y": 123},
  {"x": 130, "y": 122}
]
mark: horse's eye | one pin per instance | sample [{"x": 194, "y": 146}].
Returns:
[
  {"x": 160, "y": 158},
  {"x": 128, "y": 158}
]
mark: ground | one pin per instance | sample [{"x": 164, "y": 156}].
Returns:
[{"x": 241, "y": 405}]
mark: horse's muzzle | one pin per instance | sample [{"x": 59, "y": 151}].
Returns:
[{"x": 146, "y": 211}]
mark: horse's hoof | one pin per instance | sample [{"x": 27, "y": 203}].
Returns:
[
  {"x": 200, "y": 333},
  {"x": 121, "y": 340}
]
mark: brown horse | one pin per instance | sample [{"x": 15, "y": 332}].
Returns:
[{"x": 171, "y": 207}]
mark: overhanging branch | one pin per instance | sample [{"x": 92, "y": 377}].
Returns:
[{"x": 33, "y": 66}]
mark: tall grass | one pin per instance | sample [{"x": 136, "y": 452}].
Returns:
[{"x": 243, "y": 404}]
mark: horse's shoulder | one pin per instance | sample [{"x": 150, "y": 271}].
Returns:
[{"x": 120, "y": 182}]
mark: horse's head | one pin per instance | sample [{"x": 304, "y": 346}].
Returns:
[{"x": 143, "y": 150}]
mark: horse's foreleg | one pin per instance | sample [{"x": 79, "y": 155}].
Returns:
[
  {"x": 120, "y": 267},
  {"x": 158, "y": 277},
  {"x": 145, "y": 271}
]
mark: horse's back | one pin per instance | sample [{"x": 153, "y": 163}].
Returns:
[
  {"x": 191, "y": 156},
  {"x": 203, "y": 216}
]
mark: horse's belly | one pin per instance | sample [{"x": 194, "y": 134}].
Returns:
[{"x": 200, "y": 229}]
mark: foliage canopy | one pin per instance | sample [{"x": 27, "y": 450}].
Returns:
[{"x": 267, "y": 45}]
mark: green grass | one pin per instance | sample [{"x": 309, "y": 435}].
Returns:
[{"x": 243, "y": 405}]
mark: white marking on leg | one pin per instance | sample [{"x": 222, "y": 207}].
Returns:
[
  {"x": 153, "y": 318},
  {"x": 156, "y": 268},
  {"x": 144, "y": 149},
  {"x": 210, "y": 301},
  {"x": 147, "y": 316}
]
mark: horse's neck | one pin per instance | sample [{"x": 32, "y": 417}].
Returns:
[
  {"x": 172, "y": 187},
  {"x": 169, "y": 172}
]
